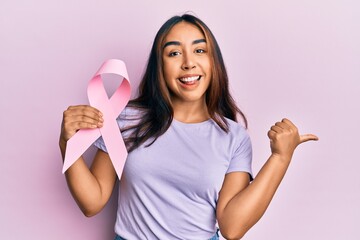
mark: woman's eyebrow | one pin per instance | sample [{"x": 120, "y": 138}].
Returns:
[
  {"x": 199, "y": 41},
  {"x": 177, "y": 43}
]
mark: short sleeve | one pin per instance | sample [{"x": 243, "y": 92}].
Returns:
[
  {"x": 242, "y": 158},
  {"x": 99, "y": 143}
]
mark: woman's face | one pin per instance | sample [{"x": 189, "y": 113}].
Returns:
[{"x": 187, "y": 67}]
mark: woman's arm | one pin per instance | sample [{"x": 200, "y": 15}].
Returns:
[
  {"x": 91, "y": 188},
  {"x": 242, "y": 204}
]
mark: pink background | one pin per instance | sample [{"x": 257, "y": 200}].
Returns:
[{"x": 295, "y": 59}]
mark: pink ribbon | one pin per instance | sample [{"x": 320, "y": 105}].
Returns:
[{"x": 110, "y": 108}]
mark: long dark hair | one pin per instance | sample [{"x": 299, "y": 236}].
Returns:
[{"x": 154, "y": 97}]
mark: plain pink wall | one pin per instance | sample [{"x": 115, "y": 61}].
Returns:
[{"x": 296, "y": 59}]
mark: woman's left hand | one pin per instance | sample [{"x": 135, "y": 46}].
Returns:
[{"x": 284, "y": 138}]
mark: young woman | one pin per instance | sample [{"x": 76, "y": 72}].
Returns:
[{"x": 189, "y": 162}]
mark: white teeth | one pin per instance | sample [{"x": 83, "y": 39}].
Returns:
[{"x": 189, "y": 79}]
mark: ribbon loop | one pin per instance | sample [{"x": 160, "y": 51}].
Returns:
[{"x": 110, "y": 109}]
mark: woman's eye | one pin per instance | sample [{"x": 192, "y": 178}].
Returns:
[
  {"x": 199, "y": 50},
  {"x": 173, "y": 54}
]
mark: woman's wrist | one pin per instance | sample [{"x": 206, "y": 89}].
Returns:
[
  {"x": 282, "y": 158},
  {"x": 62, "y": 145}
]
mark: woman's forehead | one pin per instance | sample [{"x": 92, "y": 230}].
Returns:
[{"x": 184, "y": 32}]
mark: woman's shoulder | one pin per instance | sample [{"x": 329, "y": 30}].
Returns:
[
  {"x": 131, "y": 112},
  {"x": 235, "y": 126},
  {"x": 237, "y": 130},
  {"x": 131, "y": 115}
]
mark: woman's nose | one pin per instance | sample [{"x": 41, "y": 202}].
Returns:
[{"x": 188, "y": 62}]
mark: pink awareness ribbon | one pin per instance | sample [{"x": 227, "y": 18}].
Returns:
[{"x": 110, "y": 108}]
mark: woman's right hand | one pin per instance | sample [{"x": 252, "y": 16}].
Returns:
[
  {"x": 90, "y": 187},
  {"x": 79, "y": 117}
]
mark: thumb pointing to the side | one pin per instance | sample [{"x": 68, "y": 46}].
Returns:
[{"x": 308, "y": 137}]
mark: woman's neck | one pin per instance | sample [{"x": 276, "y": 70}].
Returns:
[{"x": 190, "y": 112}]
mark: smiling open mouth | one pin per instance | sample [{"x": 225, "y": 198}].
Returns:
[{"x": 190, "y": 80}]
